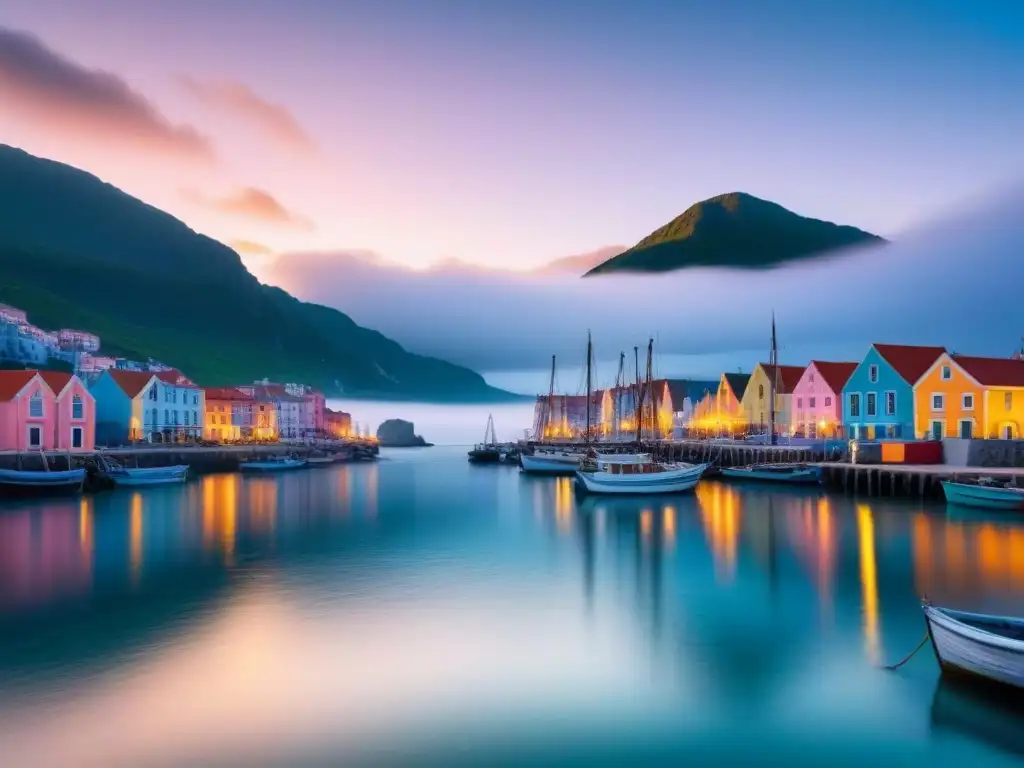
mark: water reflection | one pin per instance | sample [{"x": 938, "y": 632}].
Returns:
[
  {"x": 720, "y": 512},
  {"x": 868, "y": 581}
]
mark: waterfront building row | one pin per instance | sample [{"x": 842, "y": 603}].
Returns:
[{"x": 895, "y": 391}]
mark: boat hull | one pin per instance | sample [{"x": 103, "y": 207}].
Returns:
[
  {"x": 971, "y": 652},
  {"x": 672, "y": 481},
  {"x": 550, "y": 465},
  {"x": 808, "y": 476},
  {"x": 982, "y": 497},
  {"x": 271, "y": 466},
  {"x": 483, "y": 456},
  {"x": 132, "y": 478},
  {"x": 31, "y": 483}
]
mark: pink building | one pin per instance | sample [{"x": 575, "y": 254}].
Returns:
[
  {"x": 28, "y": 413},
  {"x": 818, "y": 399},
  {"x": 69, "y": 338},
  {"x": 74, "y": 427}
]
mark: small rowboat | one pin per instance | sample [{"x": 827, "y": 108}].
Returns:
[
  {"x": 975, "y": 645},
  {"x": 983, "y": 495},
  {"x": 792, "y": 474},
  {"x": 271, "y": 465},
  {"x": 17, "y": 482},
  {"x": 131, "y": 477},
  {"x": 550, "y": 463},
  {"x": 613, "y": 475}
]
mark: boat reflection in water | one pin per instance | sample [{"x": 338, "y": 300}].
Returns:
[
  {"x": 988, "y": 714},
  {"x": 431, "y": 597}
]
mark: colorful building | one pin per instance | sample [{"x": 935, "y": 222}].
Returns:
[
  {"x": 337, "y": 424},
  {"x": 287, "y": 419},
  {"x": 74, "y": 425},
  {"x": 756, "y": 400},
  {"x": 818, "y": 399},
  {"x": 228, "y": 414},
  {"x": 878, "y": 398},
  {"x": 684, "y": 395},
  {"x": 126, "y": 406},
  {"x": 970, "y": 397},
  {"x": 28, "y": 412},
  {"x": 721, "y": 412}
]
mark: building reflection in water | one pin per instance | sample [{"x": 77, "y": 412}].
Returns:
[
  {"x": 668, "y": 525},
  {"x": 372, "y": 490},
  {"x": 826, "y": 552},
  {"x": 868, "y": 581},
  {"x": 563, "y": 504},
  {"x": 135, "y": 537},
  {"x": 220, "y": 512},
  {"x": 261, "y": 495},
  {"x": 86, "y": 533},
  {"x": 720, "y": 515}
]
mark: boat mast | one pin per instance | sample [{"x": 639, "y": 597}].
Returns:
[
  {"x": 590, "y": 355},
  {"x": 637, "y": 392},
  {"x": 617, "y": 403},
  {"x": 546, "y": 428},
  {"x": 649, "y": 387},
  {"x": 773, "y": 362}
]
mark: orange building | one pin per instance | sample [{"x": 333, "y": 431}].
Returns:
[
  {"x": 970, "y": 397},
  {"x": 337, "y": 424}
]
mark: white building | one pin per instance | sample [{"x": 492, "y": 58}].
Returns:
[{"x": 69, "y": 338}]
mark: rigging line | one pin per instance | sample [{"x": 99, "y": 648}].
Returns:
[{"x": 909, "y": 656}]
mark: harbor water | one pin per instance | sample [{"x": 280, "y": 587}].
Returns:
[{"x": 422, "y": 610}]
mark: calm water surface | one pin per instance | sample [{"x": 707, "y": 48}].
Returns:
[{"x": 422, "y": 610}]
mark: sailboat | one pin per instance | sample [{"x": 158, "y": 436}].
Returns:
[
  {"x": 639, "y": 473},
  {"x": 487, "y": 452}
]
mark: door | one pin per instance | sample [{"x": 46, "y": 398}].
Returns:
[
  {"x": 938, "y": 430},
  {"x": 966, "y": 429},
  {"x": 35, "y": 437},
  {"x": 1008, "y": 432},
  {"x": 76, "y": 437}
]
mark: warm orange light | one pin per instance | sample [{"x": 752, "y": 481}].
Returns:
[{"x": 868, "y": 580}]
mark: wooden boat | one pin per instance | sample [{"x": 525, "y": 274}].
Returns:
[
  {"x": 24, "y": 482},
  {"x": 985, "y": 495},
  {"x": 321, "y": 461},
  {"x": 551, "y": 462},
  {"x": 131, "y": 477},
  {"x": 974, "y": 645},
  {"x": 614, "y": 476},
  {"x": 274, "y": 464},
  {"x": 793, "y": 474}
]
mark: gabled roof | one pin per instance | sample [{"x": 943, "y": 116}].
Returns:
[
  {"x": 130, "y": 382},
  {"x": 788, "y": 376},
  {"x": 993, "y": 371},
  {"x": 227, "y": 393},
  {"x": 56, "y": 380},
  {"x": 909, "y": 362},
  {"x": 835, "y": 374},
  {"x": 737, "y": 383},
  {"x": 680, "y": 389},
  {"x": 175, "y": 377},
  {"x": 12, "y": 382}
]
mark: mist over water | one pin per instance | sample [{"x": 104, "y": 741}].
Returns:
[
  {"x": 954, "y": 283},
  {"x": 443, "y": 424}
]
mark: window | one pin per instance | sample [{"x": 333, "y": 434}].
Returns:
[
  {"x": 195, "y": 417},
  {"x": 966, "y": 429},
  {"x": 760, "y": 391},
  {"x": 871, "y": 404},
  {"x": 167, "y": 416},
  {"x": 855, "y": 404},
  {"x": 873, "y": 374},
  {"x": 890, "y": 430},
  {"x": 938, "y": 402},
  {"x": 968, "y": 402},
  {"x": 77, "y": 409},
  {"x": 223, "y": 419},
  {"x": 35, "y": 405},
  {"x": 195, "y": 398},
  {"x": 76, "y": 437},
  {"x": 810, "y": 378},
  {"x": 35, "y": 437},
  {"x": 799, "y": 402},
  {"x": 947, "y": 373},
  {"x": 810, "y": 402},
  {"x": 828, "y": 401},
  {"x": 154, "y": 416},
  {"x": 890, "y": 403},
  {"x": 1008, "y": 401},
  {"x": 185, "y": 422},
  {"x": 152, "y": 393}
]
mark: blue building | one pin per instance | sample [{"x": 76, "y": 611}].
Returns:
[{"x": 878, "y": 399}]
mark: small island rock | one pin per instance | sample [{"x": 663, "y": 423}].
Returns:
[{"x": 397, "y": 433}]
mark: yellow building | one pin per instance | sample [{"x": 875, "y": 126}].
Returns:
[
  {"x": 756, "y": 400},
  {"x": 961, "y": 396}
]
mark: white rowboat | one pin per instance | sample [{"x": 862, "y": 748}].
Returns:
[
  {"x": 614, "y": 476},
  {"x": 132, "y": 477},
  {"x": 977, "y": 645}
]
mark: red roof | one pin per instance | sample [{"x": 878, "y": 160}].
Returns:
[
  {"x": 911, "y": 363},
  {"x": 175, "y": 377},
  {"x": 12, "y": 382},
  {"x": 56, "y": 380},
  {"x": 788, "y": 378},
  {"x": 993, "y": 371},
  {"x": 835, "y": 374},
  {"x": 226, "y": 393},
  {"x": 131, "y": 382}
]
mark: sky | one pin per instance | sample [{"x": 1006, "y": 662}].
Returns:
[{"x": 507, "y": 135}]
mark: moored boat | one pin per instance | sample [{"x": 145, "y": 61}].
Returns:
[
  {"x": 614, "y": 476},
  {"x": 793, "y": 474},
  {"x": 551, "y": 462},
  {"x": 19, "y": 482},
  {"x": 983, "y": 495},
  {"x": 273, "y": 464},
  {"x": 131, "y": 477},
  {"x": 975, "y": 645}
]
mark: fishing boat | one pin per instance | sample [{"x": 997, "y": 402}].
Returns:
[
  {"x": 135, "y": 476},
  {"x": 614, "y": 476},
  {"x": 551, "y": 462},
  {"x": 985, "y": 495},
  {"x": 321, "y": 461},
  {"x": 792, "y": 474},
  {"x": 273, "y": 464},
  {"x": 25, "y": 482},
  {"x": 487, "y": 452},
  {"x": 975, "y": 645}
]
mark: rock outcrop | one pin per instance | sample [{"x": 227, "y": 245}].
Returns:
[{"x": 397, "y": 433}]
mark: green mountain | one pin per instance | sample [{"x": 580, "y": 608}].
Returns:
[
  {"x": 735, "y": 230},
  {"x": 76, "y": 252}
]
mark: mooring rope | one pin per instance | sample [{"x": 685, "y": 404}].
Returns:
[{"x": 909, "y": 656}]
